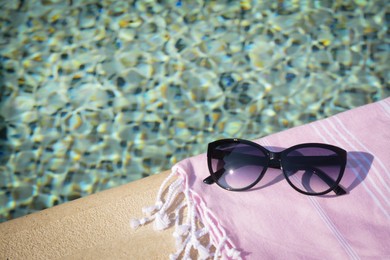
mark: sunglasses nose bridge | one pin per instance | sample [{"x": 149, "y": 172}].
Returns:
[{"x": 274, "y": 160}]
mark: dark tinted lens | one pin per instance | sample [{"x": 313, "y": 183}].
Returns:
[
  {"x": 312, "y": 169},
  {"x": 237, "y": 165}
]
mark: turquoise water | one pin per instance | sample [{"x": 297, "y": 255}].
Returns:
[{"x": 95, "y": 94}]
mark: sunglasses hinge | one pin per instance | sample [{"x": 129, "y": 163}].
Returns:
[{"x": 274, "y": 160}]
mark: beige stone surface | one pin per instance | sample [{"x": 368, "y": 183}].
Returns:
[{"x": 94, "y": 227}]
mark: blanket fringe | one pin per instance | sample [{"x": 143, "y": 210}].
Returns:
[{"x": 187, "y": 232}]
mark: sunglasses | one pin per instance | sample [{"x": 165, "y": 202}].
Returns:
[{"x": 310, "y": 168}]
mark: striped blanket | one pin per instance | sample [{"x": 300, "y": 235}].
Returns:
[{"x": 272, "y": 220}]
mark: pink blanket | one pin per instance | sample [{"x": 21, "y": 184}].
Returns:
[{"x": 272, "y": 220}]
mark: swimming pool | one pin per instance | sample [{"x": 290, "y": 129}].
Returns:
[{"x": 99, "y": 93}]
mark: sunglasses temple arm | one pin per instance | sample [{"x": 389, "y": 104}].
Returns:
[
  {"x": 209, "y": 180},
  {"x": 323, "y": 161},
  {"x": 304, "y": 161},
  {"x": 218, "y": 174},
  {"x": 338, "y": 189}
]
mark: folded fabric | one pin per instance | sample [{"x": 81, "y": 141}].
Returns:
[{"x": 272, "y": 220}]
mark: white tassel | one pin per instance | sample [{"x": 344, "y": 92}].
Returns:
[
  {"x": 148, "y": 210},
  {"x": 187, "y": 234},
  {"x": 219, "y": 247},
  {"x": 161, "y": 221},
  {"x": 135, "y": 223},
  {"x": 180, "y": 232},
  {"x": 173, "y": 256},
  {"x": 151, "y": 209},
  {"x": 203, "y": 252},
  {"x": 233, "y": 253},
  {"x": 178, "y": 239},
  {"x": 182, "y": 229}
]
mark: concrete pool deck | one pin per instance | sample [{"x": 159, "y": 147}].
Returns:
[{"x": 94, "y": 227}]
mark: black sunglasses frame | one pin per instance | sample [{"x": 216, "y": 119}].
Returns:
[{"x": 274, "y": 160}]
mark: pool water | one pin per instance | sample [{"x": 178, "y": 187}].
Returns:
[{"x": 95, "y": 94}]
